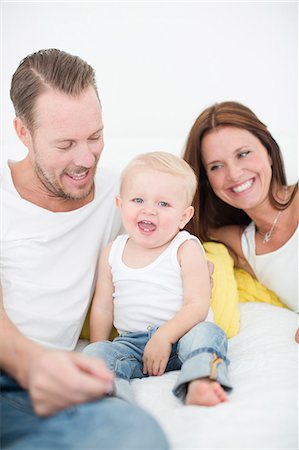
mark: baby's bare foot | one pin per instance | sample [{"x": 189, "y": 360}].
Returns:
[{"x": 205, "y": 392}]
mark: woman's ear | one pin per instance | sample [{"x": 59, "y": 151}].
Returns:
[
  {"x": 118, "y": 201},
  {"x": 22, "y": 131},
  {"x": 187, "y": 215}
]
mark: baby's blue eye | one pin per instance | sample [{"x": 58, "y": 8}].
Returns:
[
  {"x": 137, "y": 200},
  {"x": 164, "y": 204}
]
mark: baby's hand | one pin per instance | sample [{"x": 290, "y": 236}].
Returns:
[{"x": 156, "y": 355}]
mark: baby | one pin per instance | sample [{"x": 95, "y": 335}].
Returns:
[{"x": 153, "y": 285}]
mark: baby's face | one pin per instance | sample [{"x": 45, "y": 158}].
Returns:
[{"x": 153, "y": 206}]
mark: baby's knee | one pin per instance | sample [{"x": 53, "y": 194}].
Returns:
[
  {"x": 206, "y": 329},
  {"x": 97, "y": 349}
]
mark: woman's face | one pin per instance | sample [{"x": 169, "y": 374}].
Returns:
[{"x": 238, "y": 167}]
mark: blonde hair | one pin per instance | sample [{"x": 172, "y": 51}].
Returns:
[{"x": 167, "y": 163}]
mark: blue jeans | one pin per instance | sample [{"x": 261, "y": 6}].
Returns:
[
  {"x": 200, "y": 353},
  {"x": 108, "y": 423}
]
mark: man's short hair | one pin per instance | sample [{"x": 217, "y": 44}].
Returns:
[{"x": 44, "y": 69}]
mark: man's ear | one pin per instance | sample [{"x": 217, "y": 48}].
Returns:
[
  {"x": 22, "y": 131},
  {"x": 118, "y": 201},
  {"x": 187, "y": 215}
]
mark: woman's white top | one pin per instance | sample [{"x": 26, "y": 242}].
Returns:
[
  {"x": 277, "y": 270},
  {"x": 48, "y": 260},
  {"x": 151, "y": 295}
]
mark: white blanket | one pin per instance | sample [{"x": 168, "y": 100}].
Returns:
[{"x": 262, "y": 412}]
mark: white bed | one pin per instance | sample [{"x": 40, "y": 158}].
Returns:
[{"x": 262, "y": 412}]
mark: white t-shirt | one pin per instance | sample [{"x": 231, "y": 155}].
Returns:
[
  {"x": 277, "y": 270},
  {"x": 48, "y": 260},
  {"x": 151, "y": 295}
]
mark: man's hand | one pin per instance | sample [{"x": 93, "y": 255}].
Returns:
[
  {"x": 58, "y": 380},
  {"x": 156, "y": 355}
]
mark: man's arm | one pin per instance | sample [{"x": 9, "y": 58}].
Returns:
[
  {"x": 197, "y": 293},
  {"x": 55, "y": 379},
  {"x": 16, "y": 351}
]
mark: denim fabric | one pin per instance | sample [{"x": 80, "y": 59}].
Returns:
[
  {"x": 194, "y": 354},
  {"x": 197, "y": 350},
  {"x": 108, "y": 423}
]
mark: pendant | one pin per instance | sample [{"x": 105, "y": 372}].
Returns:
[{"x": 267, "y": 237}]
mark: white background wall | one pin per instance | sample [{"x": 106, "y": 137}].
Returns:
[{"x": 158, "y": 64}]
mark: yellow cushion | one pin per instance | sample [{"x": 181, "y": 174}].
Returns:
[
  {"x": 225, "y": 296},
  {"x": 231, "y": 286},
  {"x": 250, "y": 290}
]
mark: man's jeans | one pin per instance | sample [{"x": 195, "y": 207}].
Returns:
[
  {"x": 200, "y": 353},
  {"x": 108, "y": 423}
]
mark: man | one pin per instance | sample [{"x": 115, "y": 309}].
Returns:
[{"x": 57, "y": 214}]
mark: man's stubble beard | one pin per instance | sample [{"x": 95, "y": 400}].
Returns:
[{"x": 52, "y": 186}]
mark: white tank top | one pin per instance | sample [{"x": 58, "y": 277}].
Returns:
[
  {"x": 49, "y": 259},
  {"x": 277, "y": 270},
  {"x": 151, "y": 295}
]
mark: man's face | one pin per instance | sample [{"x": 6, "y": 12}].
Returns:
[{"x": 66, "y": 142}]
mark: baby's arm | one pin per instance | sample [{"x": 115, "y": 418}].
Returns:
[
  {"x": 197, "y": 292},
  {"x": 101, "y": 314}
]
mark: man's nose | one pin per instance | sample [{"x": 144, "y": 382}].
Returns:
[{"x": 84, "y": 157}]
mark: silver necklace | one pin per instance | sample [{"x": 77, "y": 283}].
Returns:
[{"x": 267, "y": 236}]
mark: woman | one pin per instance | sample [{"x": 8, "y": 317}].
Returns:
[{"x": 243, "y": 199}]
